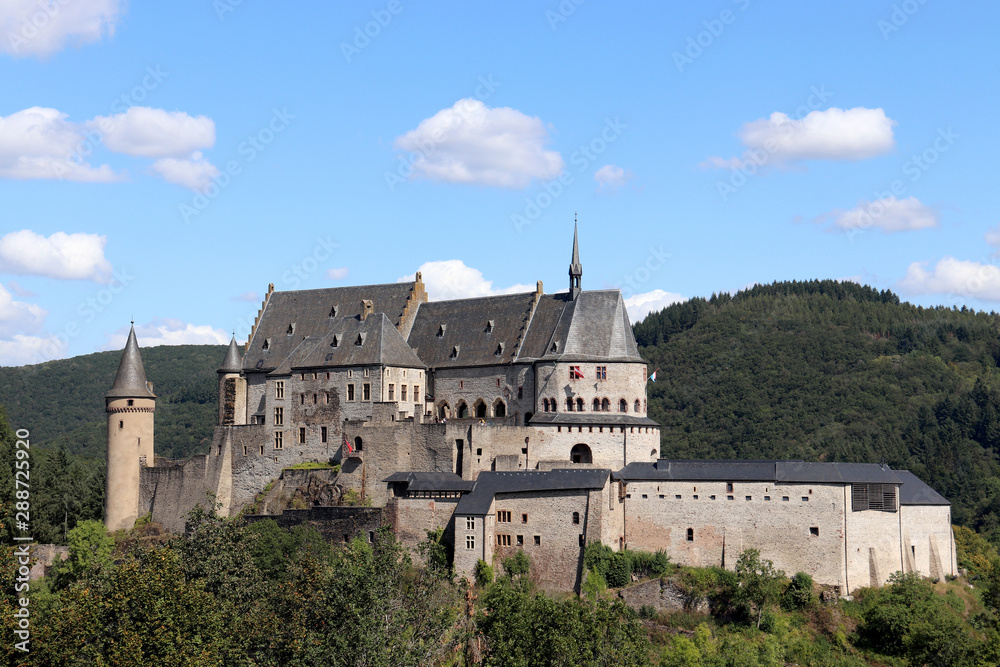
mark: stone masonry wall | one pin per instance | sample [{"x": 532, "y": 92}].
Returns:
[
  {"x": 624, "y": 380},
  {"x": 928, "y": 540}
]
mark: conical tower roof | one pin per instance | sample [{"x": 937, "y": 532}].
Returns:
[
  {"x": 130, "y": 382},
  {"x": 575, "y": 268},
  {"x": 233, "y": 361}
]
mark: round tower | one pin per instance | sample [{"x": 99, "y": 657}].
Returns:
[
  {"x": 232, "y": 388},
  {"x": 130, "y": 405}
]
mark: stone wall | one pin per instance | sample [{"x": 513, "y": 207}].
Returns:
[
  {"x": 928, "y": 540},
  {"x": 489, "y": 384},
  {"x": 336, "y": 524},
  {"x": 662, "y": 595},
  {"x": 623, "y": 381},
  {"x": 411, "y": 518}
]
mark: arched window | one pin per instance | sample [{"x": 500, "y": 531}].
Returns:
[
  {"x": 579, "y": 405},
  {"x": 480, "y": 409},
  {"x": 555, "y": 406},
  {"x": 358, "y": 444},
  {"x": 545, "y": 404},
  {"x": 569, "y": 404},
  {"x": 605, "y": 405},
  {"x": 636, "y": 405},
  {"x": 463, "y": 410},
  {"x": 581, "y": 454},
  {"x": 597, "y": 405},
  {"x": 623, "y": 405},
  {"x": 499, "y": 409},
  {"x": 443, "y": 411}
]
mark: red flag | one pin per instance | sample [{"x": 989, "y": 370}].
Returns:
[{"x": 347, "y": 445}]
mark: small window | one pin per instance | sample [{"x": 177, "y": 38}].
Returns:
[
  {"x": 360, "y": 340},
  {"x": 278, "y": 440},
  {"x": 622, "y": 407},
  {"x": 366, "y": 392},
  {"x": 814, "y": 531},
  {"x": 267, "y": 344},
  {"x": 322, "y": 434},
  {"x": 503, "y": 516},
  {"x": 416, "y": 393},
  {"x": 130, "y": 402},
  {"x": 279, "y": 389},
  {"x": 677, "y": 497},
  {"x": 602, "y": 373},
  {"x": 784, "y": 499},
  {"x": 749, "y": 498},
  {"x": 730, "y": 497},
  {"x": 581, "y": 540},
  {"x": 805, "y": 499},
  {"x": 520, "y": 392},
  {"x": 766, "y": 498},
  {"x": 576, "y": 517},
  {"x": 392, "y": 392},
  {"x": 315, "y": 398},
  {"x": 121, "y": 424},
  {"x": 503, "y": 540},
  {"x": 690, "y": 535},
  {"x": 291, "y": 329},
  {"x": 244, "y": 450},
  {"x": 455, "y": 351},
  {"x": 520, "y": 540},
  {"x": 538, "y": 540},
  {"x": 333, "y": 312},
  {"x": 350, "y": 373},
  {"x": 402, "y": 392},
  {"x": 279, "y": 416},
  {"x": 470, "y": 523},
  {"x": 574, "y": 373},
  {"x": 470, "y": 541},
  {"x": 302, "y": 399},
  {"x": 302, "y": 435},
  {"x": 524, "y": 518},
  {"x": 489, "y": 326},
  {"x": 695, "y": 497},
  {"x": 350, "y": 392},
  {"x": 644, "y": 496},
  {"x": 441, "y": 329}
]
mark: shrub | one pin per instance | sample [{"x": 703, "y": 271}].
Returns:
[
  {"x": 799, "y": 593},
  {"x": 483, "y": 573},
  {"x": 619, "y": 570},
  {"x": 517, "y": 565}
]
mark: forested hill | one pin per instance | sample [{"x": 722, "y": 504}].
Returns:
[
  {"x": 832, "y": 371},
  {"x": 62, "y": 402}
]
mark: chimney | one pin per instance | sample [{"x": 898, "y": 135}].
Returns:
[{"x": 367, "y": 308}]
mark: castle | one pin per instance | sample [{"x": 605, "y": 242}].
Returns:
[{"x": 513, "y": 422}]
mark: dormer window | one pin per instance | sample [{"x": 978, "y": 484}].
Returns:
[
  {"x": 454, "y": 352},
  {"x": 489, "y": 326},
  {"x": 267, "y": 344},
  {"x": 441, "y": 329},
  {"x": 291, "y": 329},
  {"x": 361, "y": 340},
  {"x": 499, "y": 350},
  {"x": 336, "y": 341},
  {"x": 554, "y": 347},
  {"x": 333, "y": 312}
]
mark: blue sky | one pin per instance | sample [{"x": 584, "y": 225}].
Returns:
[{"x": 166, "y": 161}]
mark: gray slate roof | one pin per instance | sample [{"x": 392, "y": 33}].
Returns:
[
  {"x": 309, "y": 314},
  {"x": 431, "y": 481},
  {"x": 915, "y": 492},
  {"x": 490, "y": 483},
  {"x": 467, "y": 325},
  {"x": 381, "y": 344},
  {"x": 234, "y": 360},
  {"x": 130, "y": 381},
  {"x": 760, "y": 471},
  {"x": 595, "y": 325}
]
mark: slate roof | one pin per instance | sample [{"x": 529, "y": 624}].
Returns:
[
  {"x": 431, "y": 481},
  {"x": 380, "y": 342},
  {"x": 759, "y": 471},
  {"x": 308, "y": 312},
  {"x": 491, "y": 483},
  {"x": 467, "y": 326},
  {"x": 233, "y": 361},
  {"x": 595, "y": 325},
  {"x": 590, "y": 419},
  {"x": 130, "y": 381},
  {"x": 915, "y": 492}
]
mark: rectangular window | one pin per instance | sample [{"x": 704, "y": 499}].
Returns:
[
  {"x": 602, "y": 372},
  {"x": 366, "y": 372},
  {"x": 315, "y": 375},
  {"x": 524, "y": 518},
  {"x": 279, "y": 416},
  {"x": 302, "y": 399},
  {"x": 314, "y": 399},
  {"x": 392, "y": 392},
  {"x": 576, "y": 518},
  {"x": 350, "y": 392},
  {"x": 690, "y": 535},
  {"x": 503, "y": 516},
  {"x": 366, "y": 391},
  {"x": 303, "y": 376},
  {"x": 729, "y": 487},
  {"x": 470, "y": 523},
  {"x": 322, "y": 434},
  {"x": 302, "y": 435},
  {"x": 278, "y": 437},
  {"x": 879, "y": 497},
  {"x": 416, "y": 393},
  {"x": 402, "y": 392},
  {"x": 470, "y": 541},
  {"x": 503, "y": 540},
  {"x": 498, "y": 382},
  {"x": 574, "y": 373},
  {"x": 538, "y": 540},
  {"x": 350, "y": 373},
  {"x": 814, "y": 531},
  {"x": 279, "y": 389},
  {"x": 520, "y": 540}
]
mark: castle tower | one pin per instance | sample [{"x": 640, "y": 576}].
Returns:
[
  {"x": 575, "y": 268},
  {"x": 130, "y": 405},
  {"x": 232, "y": 388}
]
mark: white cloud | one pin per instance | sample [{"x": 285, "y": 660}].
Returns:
[
  {"x": 168, "y": 332},
  {"x": 21, "y": 350},
  {"x": 955, "y": 277},
  {"x": 834, "y": 134},
  {"x": 610, "y": 177},
  {"x": 246, "y": 296},
  {"x": 888, "y": 214},
  {"x": 148, "y": 132},
  {"x": 40, "y": 143},
  {"x": 472, "y": 143},
  {"x": 338, "y": 273},
  {"x": 195, "y": 172},
  {"x": 993, "y": 238},
  {"x": 41, "y": 28},
  {"x": 641, "y": 305},
  {"x": 65, "y": 256},
  {"x": 17, "y": 290},
  {"x": 18, "y": 317},
  {"x": 452, "y": 279}
]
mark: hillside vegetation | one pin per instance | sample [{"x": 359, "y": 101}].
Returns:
[{"x": 831, "y": 371}]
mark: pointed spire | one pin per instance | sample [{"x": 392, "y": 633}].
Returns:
[
  {"x": 233, "y": 362},
  {"x": 130, "y": 382},
  {"x": 575, "y": 268}
]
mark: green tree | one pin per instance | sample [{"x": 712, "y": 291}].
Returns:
[{"x": 758, "y": 584}]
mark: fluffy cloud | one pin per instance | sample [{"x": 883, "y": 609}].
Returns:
[
  {"x": 641, "y": 305},
  {"x": 338, "y": 273},
  {"x": 65, "y": 256},
  {"x": 168, "y": 332},
  {"x": 834, "y": 134},
  {"x": 609, "y": 178},
  {"x": 195, "y": 172},
  {"x": 147, "y": 132},
  {"x": 21, "y": 350},
  {"x": 472, "y": 143},
  {"x": 955, "y": 277},
  {"x": 888, "y": 214},
  {"x": 35, "y": 28},
  {"x": 18, "y": 317},
  {"x": 40, "y": 143},
  {"x": 452, "y": 279}
]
